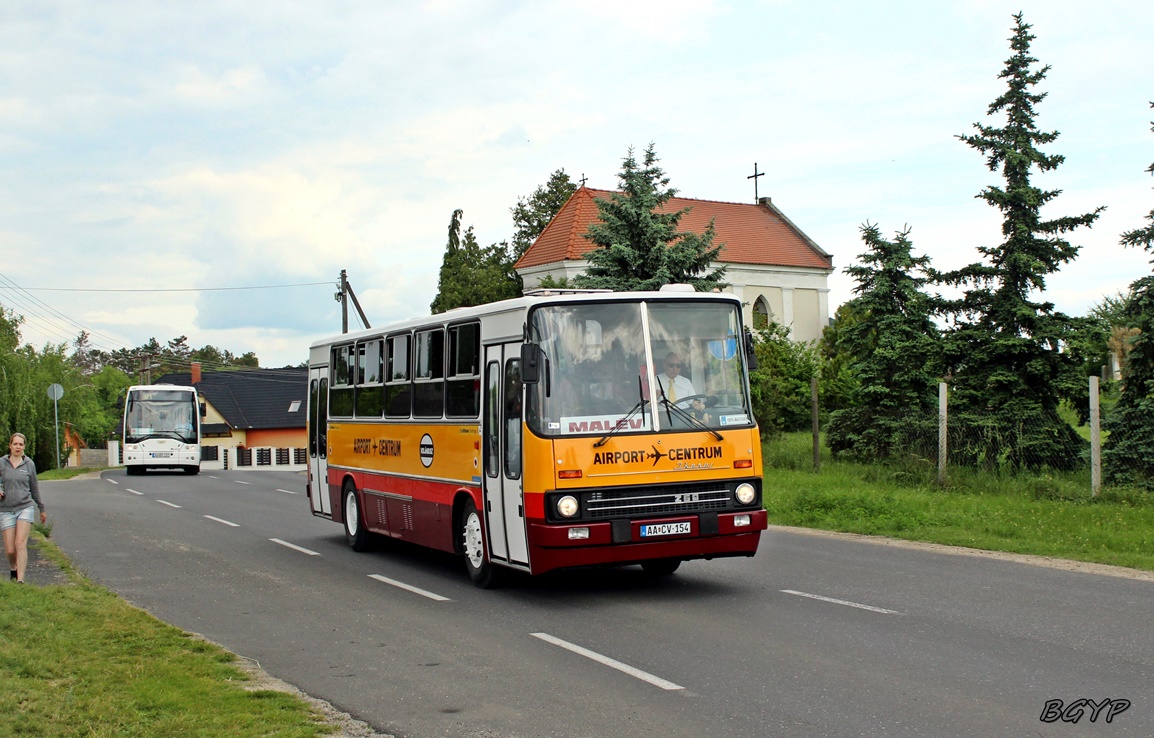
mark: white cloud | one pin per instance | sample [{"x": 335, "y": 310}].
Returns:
[{"x": 177, "y": 145}]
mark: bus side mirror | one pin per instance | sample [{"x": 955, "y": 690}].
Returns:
[
  {"x": 203, "y": 410},
  {"x": 750, "y": 354},
  {"x": 530, "y": 363}
]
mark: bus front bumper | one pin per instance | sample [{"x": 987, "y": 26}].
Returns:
[{"x": 618, "y": 542}]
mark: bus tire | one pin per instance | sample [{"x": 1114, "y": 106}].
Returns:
[
  {"x": 192, "y": 470},
  {"x": 133, "y": 471},
  {"x": 355, "y": 532},
  {"x": 480, "y": 569},
  {"x": 660, "y": 567}
]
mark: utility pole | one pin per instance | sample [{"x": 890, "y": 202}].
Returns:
[{"x": 342, "y": 296}]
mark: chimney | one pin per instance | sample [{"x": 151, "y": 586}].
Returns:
[{"x": 195, "y": 372}]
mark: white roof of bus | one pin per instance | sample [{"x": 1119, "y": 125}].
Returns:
[{"x": 521, "y": 303}]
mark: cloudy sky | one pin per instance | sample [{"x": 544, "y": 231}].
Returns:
[{"x": 153, "y": 153}]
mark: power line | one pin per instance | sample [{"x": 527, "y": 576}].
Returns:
[{"x": 180, "y": 289}]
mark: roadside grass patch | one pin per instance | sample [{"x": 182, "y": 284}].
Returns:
[
  {"x": 1045, "y": 513},
  {"x": 77, "y": 660}
]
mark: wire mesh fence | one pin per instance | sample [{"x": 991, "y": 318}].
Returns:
[{"x": 1005, "y": 443}]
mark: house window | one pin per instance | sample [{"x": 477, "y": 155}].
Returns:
[
  {"x": 463, "y": 389},
  {"x": 761, "y": 313},
  {"x": 398, "y": 390},
  {"x": 429, "y": 374}
]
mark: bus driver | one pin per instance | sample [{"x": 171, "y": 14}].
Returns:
[{"x": 673, "y": 384}]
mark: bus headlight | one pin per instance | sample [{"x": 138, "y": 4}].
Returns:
[
  {"x": 745, "y": 493},
  {"x": 567, "y": 506}
]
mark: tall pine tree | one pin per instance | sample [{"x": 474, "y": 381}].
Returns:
[
  {"x": 1006, "y": 348},
  {"x": 892, "y": 347},
  {"x": 639, "y": 246},
  {"x": 1128, "y": 455}
]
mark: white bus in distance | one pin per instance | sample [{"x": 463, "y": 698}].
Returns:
[{"x": 161, "y": 428}]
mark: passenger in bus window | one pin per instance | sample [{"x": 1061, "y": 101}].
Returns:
[{"x": 673, "y": 383}]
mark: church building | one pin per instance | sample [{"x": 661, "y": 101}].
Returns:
[{"x": 779, "y": 273}]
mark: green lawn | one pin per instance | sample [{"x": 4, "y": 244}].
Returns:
[
  {"x": 1047, "y": 514},
  {"x": 77, "y": 660}
]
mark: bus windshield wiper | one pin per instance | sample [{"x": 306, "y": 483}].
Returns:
[
  {"x": 641, "y": 402},
  {"x": 685, "y": 415}
]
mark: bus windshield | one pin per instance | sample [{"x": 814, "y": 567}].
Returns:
[
  {"x": 155, "y": 413},
  {"x": 638, "y": 367}
]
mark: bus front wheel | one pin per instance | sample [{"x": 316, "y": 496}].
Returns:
[
  {"x": 481, "y": 570},
  {"x": 355, "y": 532},
  {"x": 660, "y": 567}
]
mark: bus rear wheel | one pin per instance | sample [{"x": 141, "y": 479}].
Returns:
[
  {"x": 355, "y": 532},
  {"x": 480, "y": 569}
]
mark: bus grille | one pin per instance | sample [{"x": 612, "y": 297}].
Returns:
[{"x": 654, "y": 501}]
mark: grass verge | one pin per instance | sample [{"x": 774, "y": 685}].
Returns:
[
  {"x": 1044, "y": 513},
  {"x": 77, "y": 660},
  {"x": 67, "y": 472}
]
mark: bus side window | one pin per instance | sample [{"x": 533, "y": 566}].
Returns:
[
  {"x": 463, "y": 390},
  {"x": 429, "y": 374},
  {"x": 369, "y": 391},
  {"x": 341, "y": 385},
  {"x": 398, "y": 389}
]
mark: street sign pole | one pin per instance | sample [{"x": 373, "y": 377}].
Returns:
[{"x": 55, "y": 391}]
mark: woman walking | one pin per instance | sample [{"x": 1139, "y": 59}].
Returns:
[{"x": 19, "y": 489}]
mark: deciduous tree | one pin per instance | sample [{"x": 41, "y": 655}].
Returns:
[
  {"x": 531, "y": 214},
  {"x": 471, "y": 275}
]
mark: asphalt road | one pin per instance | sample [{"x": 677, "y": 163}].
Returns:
[{"x": 815, "y": 636}]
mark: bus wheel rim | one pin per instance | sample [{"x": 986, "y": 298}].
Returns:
[
  {"x": 351, "y": 522},
  {"x": 473, "y": 548}
]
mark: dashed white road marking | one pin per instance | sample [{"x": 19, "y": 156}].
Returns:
[
  {"x": 286, "y": 491},
  {"x": 294, "y": 547},
  {"x": 240, "y": 482},
  {"x": 112, "y": 481},
  {"x": 409, "y": 588},
  {"x": 164, "y": 502},
  {"x": 611, "y": 663},
  {"x": 222, "y": 520},
  {"x": 858, "y": 605},
  {"x": 134, "y": 491}
]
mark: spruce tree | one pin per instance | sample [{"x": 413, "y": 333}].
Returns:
[
  {"x": 1128, "y": 455},
  {"x": 892, "y": 347},
  {"x": 638, "y": 244},
  {"x": 1005, "y": 347}
]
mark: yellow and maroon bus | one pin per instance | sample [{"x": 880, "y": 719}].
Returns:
[{"x": 560, "y": 429}]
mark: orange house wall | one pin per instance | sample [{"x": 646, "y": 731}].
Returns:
[{"x": 276, "y": 438}]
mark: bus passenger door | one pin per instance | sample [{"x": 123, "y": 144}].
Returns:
[
  {"x": 319, "y": 441},
  {"x": 504, "y": 499}
]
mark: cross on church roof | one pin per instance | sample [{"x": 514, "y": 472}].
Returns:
[{"x": 754, "y": 177}]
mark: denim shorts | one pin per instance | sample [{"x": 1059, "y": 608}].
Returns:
[{"x": 8, "y": 519}]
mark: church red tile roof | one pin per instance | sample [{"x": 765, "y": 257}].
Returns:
[{"x": 752, "y": 234}]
